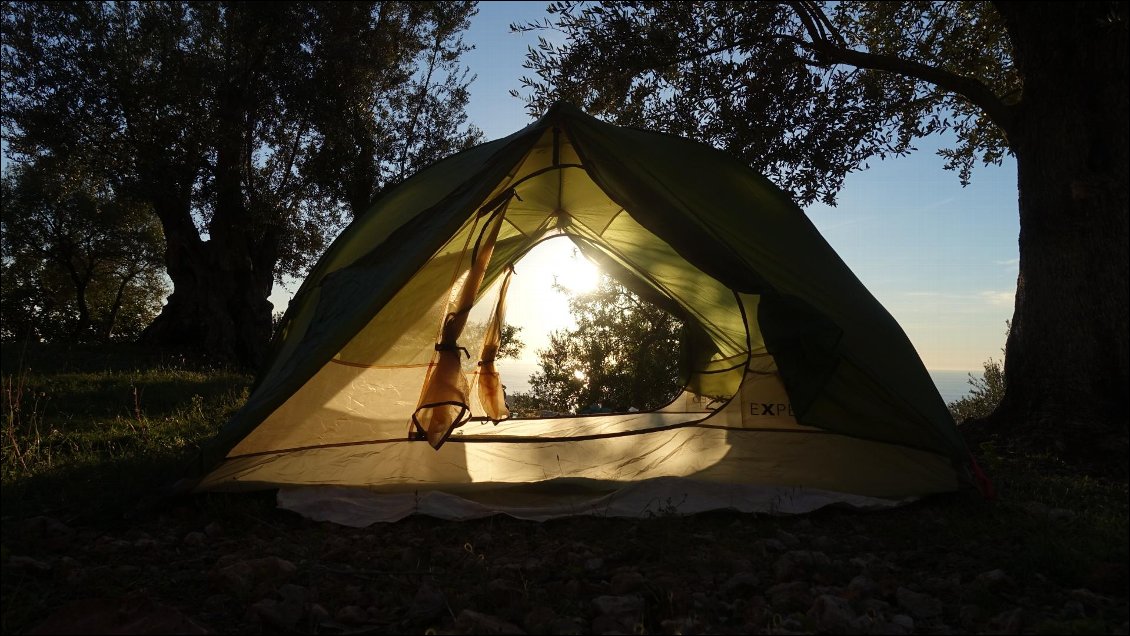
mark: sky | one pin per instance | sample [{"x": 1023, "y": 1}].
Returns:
[{"x": 941, "y": 258}]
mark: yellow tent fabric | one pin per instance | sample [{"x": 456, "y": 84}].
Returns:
[{"x": 799, "y": 379}]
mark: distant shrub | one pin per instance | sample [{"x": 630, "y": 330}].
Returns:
[{"x": 986, "y": 393}]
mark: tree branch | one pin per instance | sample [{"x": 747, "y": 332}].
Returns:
[
  {"x": 827, "y": 53},
  {"x": 973, "y": 90},
  {"x": 293, "y": 153}
]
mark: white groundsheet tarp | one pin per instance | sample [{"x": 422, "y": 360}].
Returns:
[{"x": 663, "y": 496}]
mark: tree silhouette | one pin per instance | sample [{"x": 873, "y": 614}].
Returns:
[
  {"x": 79, "y": 264},
  {"x": 624, "y": 352},
  {"x": 253, "y": 130}
]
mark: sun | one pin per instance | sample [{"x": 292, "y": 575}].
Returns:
[{"x": 577, "y": 274}]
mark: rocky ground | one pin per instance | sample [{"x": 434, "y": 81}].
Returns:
[{"x": 234, "y": 564}]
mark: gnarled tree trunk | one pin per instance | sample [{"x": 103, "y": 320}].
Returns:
[
  {"x": 219, "y": 305},
  {"x": 1066, "y": 362}
]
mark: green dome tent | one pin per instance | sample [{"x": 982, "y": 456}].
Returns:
[{"x": 802, "y": 390}]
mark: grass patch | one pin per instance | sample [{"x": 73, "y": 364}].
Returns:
[
  {"x": 1071, "y": 526},
  {"x": 94, "y": 441}
]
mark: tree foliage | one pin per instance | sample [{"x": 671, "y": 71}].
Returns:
[
  {"x": 623, "y": 352},
  {"x": 985, "y": 393},
  {"x": 770, "y": 83},
  {"x": 79, "y": 264},
  {"x": 510, "y": 346},
  {"x": 252, "y": 130}
]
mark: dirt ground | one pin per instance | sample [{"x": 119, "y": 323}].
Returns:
[{"x": 236, "y": 564}]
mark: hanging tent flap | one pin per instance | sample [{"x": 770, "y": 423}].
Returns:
[
  {"x": 444, "y": 401},
  {"x": 491, "y": 393}
]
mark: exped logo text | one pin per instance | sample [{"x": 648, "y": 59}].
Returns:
[{"x": 761, "y": 408}]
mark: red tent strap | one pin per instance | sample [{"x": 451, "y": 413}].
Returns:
[{"x": 981, "y": 480}]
